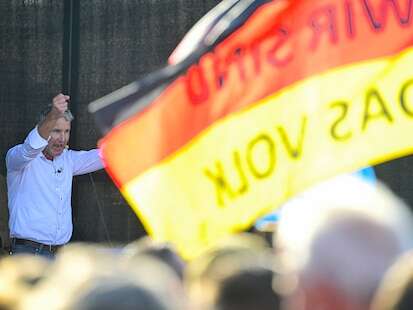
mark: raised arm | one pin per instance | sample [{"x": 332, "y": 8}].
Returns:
[{"x": 86, "y": 161}]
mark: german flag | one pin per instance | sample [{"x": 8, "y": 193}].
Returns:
[{"x": 259, "y": 101}]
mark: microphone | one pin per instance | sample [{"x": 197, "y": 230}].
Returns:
[{"x": 59, "y": 170}]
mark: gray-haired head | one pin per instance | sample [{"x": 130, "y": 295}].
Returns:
[
  {"x": 67, "y": 115},
  {"x": 345, "y": 232}
]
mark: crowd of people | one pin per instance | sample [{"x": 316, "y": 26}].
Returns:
[{"x": 343, "y": 244}]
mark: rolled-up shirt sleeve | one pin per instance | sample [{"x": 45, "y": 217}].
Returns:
[
  {"x": 86, "y": 161},
  {"x": 21, "y": 155}
]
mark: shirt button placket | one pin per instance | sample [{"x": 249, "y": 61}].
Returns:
[{"x": 59, "y": 210}]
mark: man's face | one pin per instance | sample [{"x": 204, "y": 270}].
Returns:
[{"x": 59, "y": 137}]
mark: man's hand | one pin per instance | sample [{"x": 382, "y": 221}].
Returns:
[{"x": 59, "y": 105}]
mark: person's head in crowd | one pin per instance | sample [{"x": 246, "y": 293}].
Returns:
[
  {"x": 18, "y": 276},
  {"x": 247, "y": 289},
  {"x": 396, "y": 289},
  {"x": 338, "y": 239},
  {"x": 118, "y": 293},
  {"x": 233, "y": 255},
  {"x": 158, "y": 250},
  {"x": 157, "y": 276}
]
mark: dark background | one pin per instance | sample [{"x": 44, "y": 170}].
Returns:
[{"x": 89, "y": 49}]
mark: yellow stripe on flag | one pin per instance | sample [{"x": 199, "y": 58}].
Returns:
[{"x": 250, "y": 162}]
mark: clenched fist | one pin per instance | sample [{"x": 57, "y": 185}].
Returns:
[{"x": 59, "y": 105}]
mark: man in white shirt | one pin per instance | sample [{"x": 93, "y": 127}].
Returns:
[{"x": 39, "y": 181}]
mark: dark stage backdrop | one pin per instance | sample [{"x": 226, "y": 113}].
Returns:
[{"x": 88, "y": 49}]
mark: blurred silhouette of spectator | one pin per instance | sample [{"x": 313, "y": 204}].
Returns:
[
  {"x": 336, "y": 240},
  {"x": 116, "y": 293},
  {"x": 157, "y": 276},
  {"x": 396, "y": 289},
  {"x": 162, "y": 251},
  {"x": 18, "y": 276},
  {"x": 212, "y": 279},
  {"x": 248, "y": 289}
]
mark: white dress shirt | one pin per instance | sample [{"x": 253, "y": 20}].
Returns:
[{"x": 39, "y": 190}]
